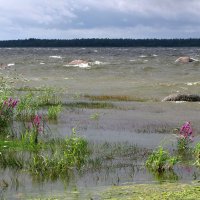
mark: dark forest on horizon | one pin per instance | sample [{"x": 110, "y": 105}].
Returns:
[{"x": 32, "y": 42}]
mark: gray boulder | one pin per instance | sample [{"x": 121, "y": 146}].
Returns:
[{"x": 182, "y": 97}]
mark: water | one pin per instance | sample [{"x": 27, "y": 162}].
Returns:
[
  {"x": 141, "y": 72},
  {"x": 146, "y": 73}
]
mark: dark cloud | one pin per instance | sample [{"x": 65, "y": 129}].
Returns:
[{"x": 94, "y": 18}]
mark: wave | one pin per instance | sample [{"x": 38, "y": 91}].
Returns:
[
  {"x": 193, "y": 83},
  {"x": 83, "y": 64},
  {"x": 97, "y": 62},
  {"x": 143, "y": 56},
  {"x": 138, "y": 61},
  {"x": 10, "y": 64},
  {"x": 78, "y": 63},
  {"x": 59, "y": 57}
]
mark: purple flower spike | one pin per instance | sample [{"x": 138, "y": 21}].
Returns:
[{"x": 186, "y": 131}]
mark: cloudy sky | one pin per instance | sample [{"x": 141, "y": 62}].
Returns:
[{"x": 67, "y": 19}]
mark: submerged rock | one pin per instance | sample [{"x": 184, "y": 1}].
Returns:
[
  {"x": 185, "y": 59},
  {"x": 182, "y": 97}
]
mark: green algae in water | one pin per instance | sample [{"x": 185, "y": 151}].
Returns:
[{"x": 172, "y": 191}]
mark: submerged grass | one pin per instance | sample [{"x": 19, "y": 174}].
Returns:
[
  {"x": 114, "y": 155},
  {"x": 90, "y": 105},
  {"x": 115, "y": 98},
  {"x": 165, "y": 191}
]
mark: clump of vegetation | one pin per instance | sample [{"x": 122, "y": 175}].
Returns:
[
  {"x": 54, "y": 111},
  {"x": 160, "y": 161},
  {"x": 197, "y": 154}
]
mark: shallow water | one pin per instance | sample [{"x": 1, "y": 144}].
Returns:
[{"x": 146, "y": 73}]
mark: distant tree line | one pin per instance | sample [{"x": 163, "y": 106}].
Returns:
[{"x": 32, "y": 42}]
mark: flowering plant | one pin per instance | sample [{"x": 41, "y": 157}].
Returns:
[
  {"x": 7, "y": 111},
  {"x": 185, "y": 136},
  {"x": 36, "y": 127}
]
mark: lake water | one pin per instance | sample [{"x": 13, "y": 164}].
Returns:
[
  {"x": 145, "y": 73},
  {"x": 140, "y": 72}
]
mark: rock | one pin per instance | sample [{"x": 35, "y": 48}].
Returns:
[
  {"x": 185, "y": 59},
  {"x": 78, "y": 62},
  {"x": 182, "y": 97}
]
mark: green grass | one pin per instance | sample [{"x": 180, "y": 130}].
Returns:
[{"x": 167, "y": 191}]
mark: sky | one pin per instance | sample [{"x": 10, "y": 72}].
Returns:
[{"x": 69, "y": 19}]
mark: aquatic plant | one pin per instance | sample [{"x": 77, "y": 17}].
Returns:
[
  {"x": 160, "y": 161},
  {"x": 197, "y": 154},
  {"x": 185, "y": 137},
  {"x": 54, "y": 111}
]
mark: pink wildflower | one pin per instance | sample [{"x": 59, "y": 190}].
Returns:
[
  {"x": 186, "y": 131},
  {"x": 37, "y": 122},
  {"x": 14, "y": 103}
]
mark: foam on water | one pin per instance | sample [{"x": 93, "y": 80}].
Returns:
[
  {"x": 58, "y": 57},
  {"x": 193, "y": 83},
  {"x": 10, "y": 64},
  {"x": 142, "y": 56}
]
